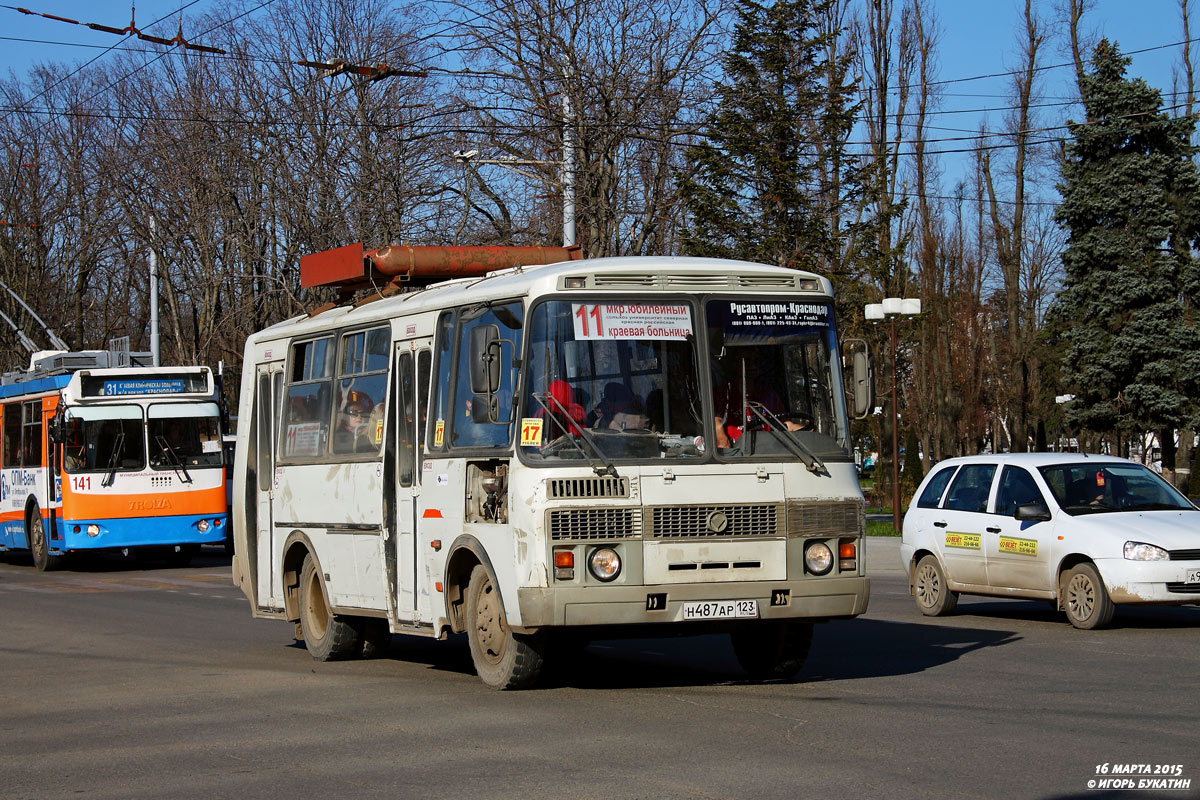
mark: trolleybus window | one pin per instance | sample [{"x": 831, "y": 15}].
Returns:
[
  {"x": 12, "y": 435},
  {"x": 112, "y": 437},
  {"x": 184, "y": 434}
]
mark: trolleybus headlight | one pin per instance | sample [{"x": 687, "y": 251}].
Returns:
[
  {"x": 605, "y": 564},
  {"x": 202, "y": 525},
  {"x": 818, "y": 558},
  {"x": 93, "y": 530}
]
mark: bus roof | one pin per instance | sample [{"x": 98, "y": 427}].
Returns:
[{"x": 596, "y": 276}]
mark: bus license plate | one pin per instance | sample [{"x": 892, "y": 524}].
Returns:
[
  {"x": 1193, "y": 576},
  {"x": 720, "y": 609}
]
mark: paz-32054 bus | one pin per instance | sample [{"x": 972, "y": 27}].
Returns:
[{"x": 607, "y": 447}]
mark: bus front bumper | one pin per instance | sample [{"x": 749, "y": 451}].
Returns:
[{"x": 812, "y": 600}]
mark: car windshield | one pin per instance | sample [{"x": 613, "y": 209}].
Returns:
[{"x": 1106, "y": 487}]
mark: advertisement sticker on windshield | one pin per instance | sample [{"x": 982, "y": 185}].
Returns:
[
  {"x": 531, "y": 432},
  {"x": 1019, "y": 547},
  {"x": 964, "y": 541},
  {"x": 631, "y": 321}
]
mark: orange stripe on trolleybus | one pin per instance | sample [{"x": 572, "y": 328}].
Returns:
[{"x": 77, "y": 505}]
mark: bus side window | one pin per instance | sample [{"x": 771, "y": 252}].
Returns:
[
  {"x": 465, "y": 432},
  {"x": 405, "y": 422},
  {"x": 308, "y": 408},
  {"x": 12, "y": 435},
  {"x": 424, "y": 365}
]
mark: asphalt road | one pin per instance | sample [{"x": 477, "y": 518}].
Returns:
[{"x": 124, "y": 681}]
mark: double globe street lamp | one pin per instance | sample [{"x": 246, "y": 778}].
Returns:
[{"x": 890, "y": 309}]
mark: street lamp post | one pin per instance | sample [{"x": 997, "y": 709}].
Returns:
[{"x": 889, "y": 309}]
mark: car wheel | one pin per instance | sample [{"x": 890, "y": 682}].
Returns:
[
  {"x": 1085, "y": 599},
  {"x": 934, "y": 597}
]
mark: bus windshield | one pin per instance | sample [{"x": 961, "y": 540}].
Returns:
[
  {"x": 625, "y": 372},
  {"x": 774, "y": 370},
  {"x": 184, "y": 435},
  {"x": 104, "y": 438},
  {"x": 622, "y": 380}
]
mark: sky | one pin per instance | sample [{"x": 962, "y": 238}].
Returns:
[{"x": 978, "y": 38}]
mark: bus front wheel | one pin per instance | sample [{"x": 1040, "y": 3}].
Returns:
[
  {"x": 327, "y": 636},
  {"x": 503, "y": 659},
  {"x": 35, "y": 535},
  {"x": 772, "y": 650}
]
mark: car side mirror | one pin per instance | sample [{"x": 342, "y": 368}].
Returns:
[{"x": 1035, "y": 511}]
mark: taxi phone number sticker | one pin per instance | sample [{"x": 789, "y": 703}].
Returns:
[
  {"x": 1020, "y": 547},
  {"x": 964, "y": 541},
  {"x": 720, "y": 609}
]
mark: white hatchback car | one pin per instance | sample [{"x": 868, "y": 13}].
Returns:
[{"x": 1084, "y": 532}]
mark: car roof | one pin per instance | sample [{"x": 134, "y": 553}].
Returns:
[{"x": 1033, "y": 460}]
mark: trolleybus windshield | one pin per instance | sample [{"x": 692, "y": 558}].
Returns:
[
  {"x": 104, "y": 438},
  {"x": 184, "y": 434}
]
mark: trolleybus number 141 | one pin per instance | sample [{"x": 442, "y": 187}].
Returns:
[
  {"x": 81, "y": 483},
  {"x": 720, "y": 609}
]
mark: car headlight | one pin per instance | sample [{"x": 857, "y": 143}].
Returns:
[
  {"x": 605, "y": 564},
  {"x": 818, "y": 558},
  {"x": 1140, "y": 551}
]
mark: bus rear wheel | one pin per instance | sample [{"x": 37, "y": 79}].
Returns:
[
  {"x": 35, "y": 535},
  {"x": 772, "y": 650},
  {"x": 327, "y": 636},
  {"x": 503, "y": 659}
]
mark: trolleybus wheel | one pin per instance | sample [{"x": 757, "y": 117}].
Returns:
[
  {"x": 772, "y": 650},
  {"x": 328, "y": 637},
  {"x": 1085, "y": 599},
  {"x": 503, "y": 659},
  {"x": 35, "y": 534},
  {"x": 934, "y": 597}
]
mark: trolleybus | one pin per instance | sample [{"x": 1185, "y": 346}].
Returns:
[
  {"x": 592, "y": 448},
  {"x": 109, "y": 458}
]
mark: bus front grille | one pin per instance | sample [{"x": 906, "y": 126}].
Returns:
[
  {"x": 839, "y": 518},
  {"x": 715, "y": 521},
  {"x": 586, "y": 488},
  {"x": 578, "y": 524}
]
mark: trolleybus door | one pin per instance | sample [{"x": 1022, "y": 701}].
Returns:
[
  {"x": 412, "y": 389},
  {"x": 269, "y": 386}
]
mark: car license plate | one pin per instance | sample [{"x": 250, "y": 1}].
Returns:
[
  {"x": 1193, "y": 576},
  {"x": 720, "y": 609}
]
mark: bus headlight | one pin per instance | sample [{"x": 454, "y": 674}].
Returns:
[
  {"x": 202, "y": 526},
  {"x": 605, "y": 564},
  {"x": 818, "y": 558}
]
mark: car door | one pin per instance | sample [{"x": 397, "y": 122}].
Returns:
[
  {"x": 1018, "y": 551},
  {"x": 961, "y": 523}
]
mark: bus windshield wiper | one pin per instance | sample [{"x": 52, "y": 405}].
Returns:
[
  {"x": 607, "y": 467},
  {"x": 779, "y": 429},
  {"x": 114, "y": 459},
  {"x": 170, "y": 451}
]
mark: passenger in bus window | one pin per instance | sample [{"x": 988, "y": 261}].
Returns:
[
  {"x": 352, "y": 434},
  {"x": 619, "y": 410}
]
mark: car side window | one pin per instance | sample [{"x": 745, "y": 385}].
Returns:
[
  {"x": 1016, "y": 488},
  {"x": 932, "y": 495},
  {"x": 970, "y": 489}
]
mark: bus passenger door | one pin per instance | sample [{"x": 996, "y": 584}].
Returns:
[
  {"x": 411, "y": 390},
  {"x": 266, "y": 403}
]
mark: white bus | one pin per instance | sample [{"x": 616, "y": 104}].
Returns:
[{"x": 598, "y": 448}]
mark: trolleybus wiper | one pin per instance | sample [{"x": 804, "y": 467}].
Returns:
[
  {"x": 775, "y": 426},
  {"x": 608, "y": 468},
  {"x": 166, "y": 448},
  {"x": 114, "y": 459}
]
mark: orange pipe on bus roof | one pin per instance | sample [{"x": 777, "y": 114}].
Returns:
[{"x": 351, "y": 265}]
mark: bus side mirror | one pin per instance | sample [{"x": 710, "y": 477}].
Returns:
[
  {"x": 485, "y": 409},
  {"x": 485, "y": 359},
  {"x": 862, "y": 381}
]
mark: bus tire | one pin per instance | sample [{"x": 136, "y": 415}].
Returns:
[
  {"x": 503, "y": 659},
  {"x": 772, "y": 650},
  {"x": 375, "y": 635},
  {"x": 327, "y": 636},
  {"x": 35, "y": 535}
]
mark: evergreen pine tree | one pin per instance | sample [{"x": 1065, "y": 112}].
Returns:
[
  {"x": 1131, "y": 206},
  {"x": 754, "y": 192}
]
